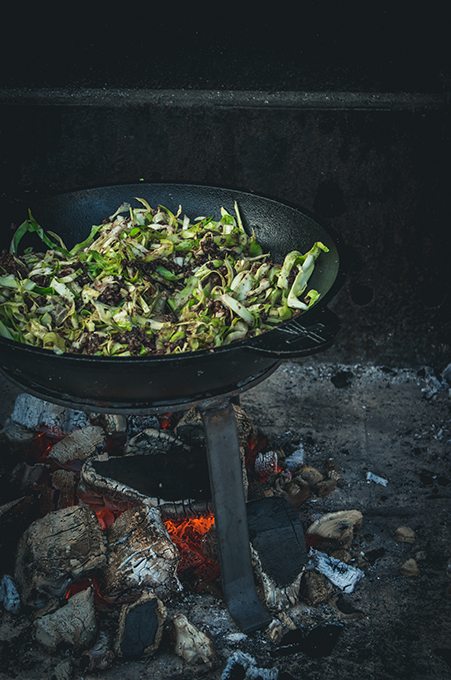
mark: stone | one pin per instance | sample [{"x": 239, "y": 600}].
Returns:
[
  {"x": 74, "y": 624},
  {"x": 410, "y": 568},
  {"x": 63, "y": 671},
  {"x": 405, "y": 535}
]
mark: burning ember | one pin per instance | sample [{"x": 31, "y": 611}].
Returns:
[{"x": 187, "y": 535}]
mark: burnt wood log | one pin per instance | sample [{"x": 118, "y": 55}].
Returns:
[
  {"x": 141, "y": 556},
  {"x": 79, "y": 445},
  {"x": 278, "y": 547},
  {"x": 140, "y": 628},
  {"x": 74, "y": 624},
  {"x": 64, "y": 482},
  {"x": 55, "y": 551},
  {"x": 159, "y": 470}
]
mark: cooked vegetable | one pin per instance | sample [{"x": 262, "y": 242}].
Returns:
[{"x": 147, "y": 281}]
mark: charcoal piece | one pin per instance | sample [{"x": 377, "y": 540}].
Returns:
[
  {"x": 79, "y": 445},
  {"x": 275, "y": 530},
  {"x": 173, "y": 476},
  {"x": 140, "y": 629}
]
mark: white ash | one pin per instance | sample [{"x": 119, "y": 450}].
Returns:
[
  {"x": 371, "y": 477},
  {"x": 249, "y": 665},
  {"x": 111, "y": 422},
  {"x": 295, "y": 460},
  {"x": 266, "y": 463},
  {"x": 9, "y": 595},
  {"x": 141, "y": 555},
  {"x": 35, "y": 413},
  {"x": 342, "y": 575},
  {"x": 136, "y": 424}
]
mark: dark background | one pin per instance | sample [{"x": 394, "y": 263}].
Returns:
[
  {"x": 344, "y": 112},
  {"x": 311, "y": 46}
]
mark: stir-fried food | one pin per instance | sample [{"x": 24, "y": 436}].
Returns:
[{"x": 147, "y": 281}]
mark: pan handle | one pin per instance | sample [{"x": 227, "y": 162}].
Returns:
[{"x": 299, "y": 337}]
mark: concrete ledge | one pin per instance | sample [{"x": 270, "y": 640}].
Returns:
[{"x": 238, "y": 99}]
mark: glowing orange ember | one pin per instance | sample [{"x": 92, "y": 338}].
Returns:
[
  {"x": 187, "y": 535},
  {"x": 165, "y": 421},
  {"x": 38, "y": 449}
]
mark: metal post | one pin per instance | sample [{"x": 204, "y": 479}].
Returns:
[{"x": 226, "y": 481}]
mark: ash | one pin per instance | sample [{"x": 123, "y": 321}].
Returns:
[{"x": 392, "y": 422}]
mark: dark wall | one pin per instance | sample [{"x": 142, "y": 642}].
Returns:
[{"x": 295, "y": 108}]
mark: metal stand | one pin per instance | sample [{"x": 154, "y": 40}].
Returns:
[{"x": 226, "y": 481}]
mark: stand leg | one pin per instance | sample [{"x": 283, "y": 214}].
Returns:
[{"x": 226, "y": 481}]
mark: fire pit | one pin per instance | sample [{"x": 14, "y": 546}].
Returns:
[{"x": 207, "y": 378}]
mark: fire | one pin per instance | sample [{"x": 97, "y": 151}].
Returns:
[
  {"x": 187, "y": 535},
  {"x": 166, "y": 421},
  {"x": 39, "y": 448},
  {"x": 105, "y": 510},
  {"x": 254, "y": 446}
]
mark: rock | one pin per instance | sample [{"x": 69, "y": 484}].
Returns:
[
  {"x": 315, "y": 588},
  {"x": 191, "y": 644},
  {"x": 79, "y": 445},
  {"x": 335, "y": 530},
  {"x": 410, "y": 568},
  {"x": 74, "y": 624},
  {"x": 56, "y": 550},
  {"x": 140, "y": 627},
  {"x": 405, "y": 535},
  {"x": 63, "y": 671}
]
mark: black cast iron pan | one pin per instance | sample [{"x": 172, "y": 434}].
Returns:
[{"x": 137, "y": 384}]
